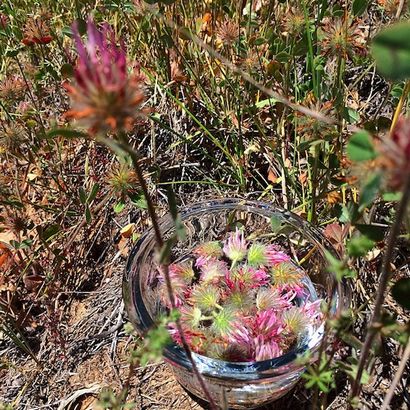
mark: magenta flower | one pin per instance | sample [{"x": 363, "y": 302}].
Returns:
[
  {"x": 235, "y": 247},
  {"x": 274, "y": 256},
  {"x": 267, "y": 324},
  {"x": 265, "y": 350},
  {"x": 104, "y": 98}
]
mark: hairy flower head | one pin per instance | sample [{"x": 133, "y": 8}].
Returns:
[
  {"x": 205, "y": 297},
  {"x": 235, "y": 247},
  {"x": 212, "y": 249},
  {"x": 213, "y": 270},
  {"x": 295, "y": 320},
  {"x": 285, "y": 273},
  {"x": 266, "y": 349},
  {"x": 104, "y": 98},
  {"x": 223, "y": 321},
  {"x": 270, "y": 298}
]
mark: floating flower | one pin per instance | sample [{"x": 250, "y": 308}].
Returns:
[
  {"x": 212, "y": 271},
  {"x": 295, "y": 320},
  {"x": 285, "y": 273},
  {"x": 235, "y": 247},
  {"x": 205, "y": 297},
  {"x": 104, "y": 98},
  {"x": 265, "y": 350},
  {"x": 211, "y": 249},
  {"x": 257, "y": 254},
  {"x": 253, "y": 310},
  {"x": 223, "y": 321},
  {"x": 191, "y": 315},
  {"x": 270, "y": 298},
  {"x": 182, "y": 270}
]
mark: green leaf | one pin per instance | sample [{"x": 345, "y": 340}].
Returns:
[
  {"x": 359, "y": 246},
  {"x": 391, "y": 50},
  {"x": 88, "y": 217},
  {"x": 359, "y": 7},
  {"x": 66, "y": 133},
  {"x": 360, "y": 147},
  {"x": 93, "y": 193},
  {"x": 369, "y": 192},
  {"x": 50, "y": 231},
  {"x": 401, "y": 292},
  {"x": 82, "y": 195},
  {"x": 118, "y": 207},
  {"x": 351, "y": 116},
  {"x": 138, "y": 200}
]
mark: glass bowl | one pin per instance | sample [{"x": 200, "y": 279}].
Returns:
[{"x": 234, "y": 385}]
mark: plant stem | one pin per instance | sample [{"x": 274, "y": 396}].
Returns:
[
  {"x": 399, "y": 107},
  {"x": 383, "y": 282},
  {"x": 397, "y": 377},
  {"x": 160, "y": 243}
]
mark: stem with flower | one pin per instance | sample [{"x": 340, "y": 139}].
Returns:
[{"x": 107, "y": 99}]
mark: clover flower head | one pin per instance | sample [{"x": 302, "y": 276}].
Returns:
[
  {"x": 195, "y": 339},
  {"x": 267, "y": 323},
  {"x": 223, "y": 321},
  {"x": 182, "y": 270},
  {"x": 257, "y": 254},
  {"x": 285, "y": 273},
  {"x": 205, "y": 297},
  {"x": 312, "y": 310},
  {"x": 230, "y": 353},
  {"x": 235, "y": 247},
  {"x": 104, "y": 97},
  {"x": 213, "y": 270},
  {"x": 270, "y": 298},
  {"x": 179, "y": 287},
  {"x": 191, "y": 315},
  {"x": 395, "y": 154},
  {"x": 247, "y": 277},
  {"x": 210, "y": 249},
  {"x": 295, "y": 320},
  {"x": 265, "y": 350},
  {"x": 240, "y": 298},
  {"x": 275, "y": 256}
]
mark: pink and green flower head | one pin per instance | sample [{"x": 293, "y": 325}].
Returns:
[
  {"x": 104, "y": 97},
  {"x": 206, "y": 297},
  {"x": 213, "y": 271},
  {"x": 271, "y": 298},
  {"x": 182, "y": 270},
  {"x": 235, "y": 247},
  {"x": 285, "y": 273},
  {"x": 265, "y": 255},
  {"x": 266, "y": 349},
  {"x": 211, "y": 249},
  {"x": 295, "y": 320},
  {"x": 223, "y": 321}
]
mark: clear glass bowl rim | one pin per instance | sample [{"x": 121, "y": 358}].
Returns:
[{"x": 210, "y": 366}]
